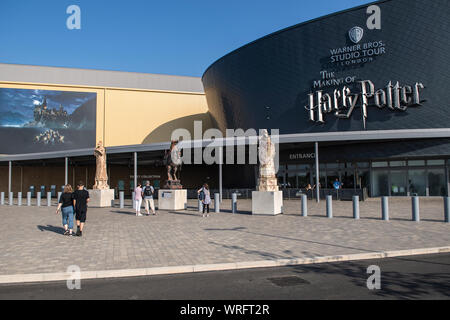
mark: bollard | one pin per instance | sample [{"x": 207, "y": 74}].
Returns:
[
  {"x": 330, "y": 207},
  {"x": 121, "y": 199},
  {"x": 11, "y": 198},
  {"x": 234, "y": 203},
  {"x": 38, "y": 199},
  {"x": 19, "y": 199},
  {"x": 356, "y": 207},
  {"x": 132, "y": 200},
  {"x": 447, "y": 209},
  {"x": 200, "y": 206},
  {"x": 29, "y": 199},
  {"x": 59, "y": 196},
  {"x": 49, "y": 199},
  {"x": 385, "y": 208},
  {"x": 304, "y": 205},
  {"x": 415, "y": 209},
  {"x": 217, "y": 202},
  {"x": 2, "y": 198}
]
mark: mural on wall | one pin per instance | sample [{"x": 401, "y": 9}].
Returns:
[{"x": 42, "y": 121}]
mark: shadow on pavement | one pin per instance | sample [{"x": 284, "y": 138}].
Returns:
[
  {"x": 133, "y": 213},
  {"x": 394, "y": 284},
  {"x": 50, "y": 228}
]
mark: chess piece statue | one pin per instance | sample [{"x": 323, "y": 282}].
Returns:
[{"x": 267, "y": 176}]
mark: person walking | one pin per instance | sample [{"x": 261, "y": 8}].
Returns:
[
  {"x": 138, "y": 199},
  {"x": 65, "y": 206},
  {"x": 205, "y": 197},
  {"x": 148, "y": 193},
  {"x": 81, "y": 199}
]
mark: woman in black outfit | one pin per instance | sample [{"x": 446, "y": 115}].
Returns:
[{"x": 66, "y": 204}]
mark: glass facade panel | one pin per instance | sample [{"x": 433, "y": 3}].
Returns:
[
  {"x": 380, "y": 181},
  {"x": 398, "y": 183},
  {"x": 363, "y": 164},
  {"x": 417, "y": 182},
  {"x": 436, "y": 182},
  {"x": 416, "y": 163},
  {"x": 303, "y": 167},
  {"x": 348, "y": 179},
  {"x": 331, "y": 178},
  {"x": 381, "y": 164},
  {"x": 303, "y": 179},
  {"x": 291, "y": 181},
  {"x": 363, "y": 179},
  {"x": 387, "y": 178},
  {"x": 397, "y": 163},
  {"x": 436, "y": 162},
  {"x": 332, "y": 165}
]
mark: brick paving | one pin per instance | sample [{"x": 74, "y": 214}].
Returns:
[{"x": 31, "y": 239}]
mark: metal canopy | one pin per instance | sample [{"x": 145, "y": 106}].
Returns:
[{"x": 289, "y": 138}]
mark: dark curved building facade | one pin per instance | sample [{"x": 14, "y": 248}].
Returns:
[{"x": 369, "y": 84}]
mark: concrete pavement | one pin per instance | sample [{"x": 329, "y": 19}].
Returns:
[{"x": 115, "y": 239}]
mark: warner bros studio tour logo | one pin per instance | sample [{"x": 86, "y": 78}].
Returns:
[
  {"x": 356, "y": 34},
  {"x": 211, "y": 147}
]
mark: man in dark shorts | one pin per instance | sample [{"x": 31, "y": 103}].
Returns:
[{"x": 81, "y": 197}]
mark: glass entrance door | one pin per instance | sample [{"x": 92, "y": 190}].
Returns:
[
  {"x": 399, "y": 183},
  {"x": 417, "y": 182}
]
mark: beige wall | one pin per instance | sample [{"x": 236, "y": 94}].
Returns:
[
  {"x": 135, "y": 117},
  {"x": 130, "y": 117}
]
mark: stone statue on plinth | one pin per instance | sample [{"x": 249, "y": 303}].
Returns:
[
  {"x": 267, "y": 199},
  {"x": 101, "y": 195},
  {"x": 172, "y": 161},
  {"x": 101, "y": 176},
  {"x": 267, "y": 180}
]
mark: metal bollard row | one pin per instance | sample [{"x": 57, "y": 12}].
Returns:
[
  {"x": 200, "y": 206},
  {"x": 356, "y": 207},
  {"x": 217, "y": 202},
  {"x": 121, "y": 199},
  {"x": 415, "y": 209},
  {"x": 49, "y": 199},
  {"x": 304, "y": 205},
  {"x": 329, "y": 207},
  {"x": 234, "y": 203},
  {"x": 447, "y": 209},
  {"x": 385, "y": 208}
]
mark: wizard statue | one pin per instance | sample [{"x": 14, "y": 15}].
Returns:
[{"x": 101, "y": 177}]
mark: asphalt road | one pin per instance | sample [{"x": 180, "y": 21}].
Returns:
[{"x": 417, "y": 277}]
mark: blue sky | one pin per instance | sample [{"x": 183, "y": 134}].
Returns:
[{"x": 177, "y": 37}]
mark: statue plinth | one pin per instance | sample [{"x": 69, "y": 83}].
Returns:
[
  {"x": 101, "y": 198},
  {"x": 173, "y": 185},
  {"x": 172, "y": 199},
  {"x": 267, "y": 203}
]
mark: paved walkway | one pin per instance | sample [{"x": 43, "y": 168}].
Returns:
[{"x": 31, "y": 239}]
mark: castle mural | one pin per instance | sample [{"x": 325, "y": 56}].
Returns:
[{"x": 42, "y": 120}]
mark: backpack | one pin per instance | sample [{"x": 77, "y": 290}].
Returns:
[
  {"x": 201, "y": 195},
  {"x": 148, "y": 191}
]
